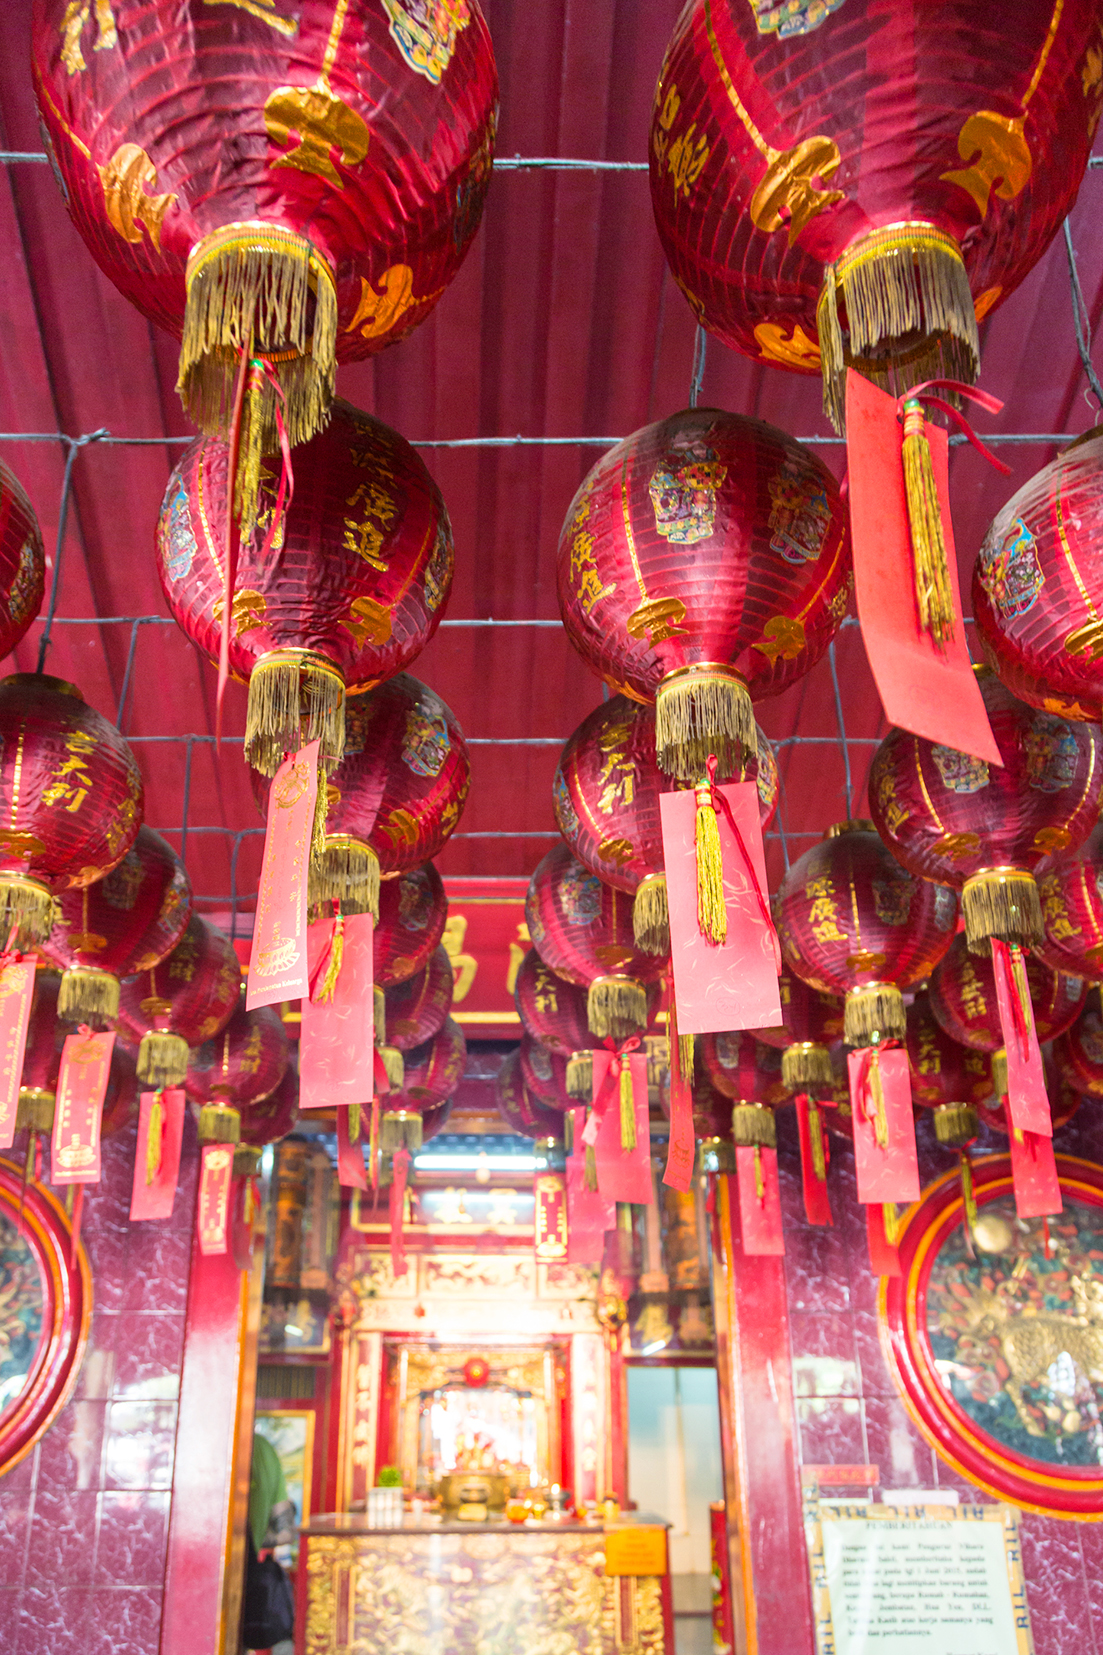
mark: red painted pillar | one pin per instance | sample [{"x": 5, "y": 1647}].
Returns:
[{"x": 769, "y": 1565}]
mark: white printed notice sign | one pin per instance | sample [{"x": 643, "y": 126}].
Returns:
[{"x": 918, "y": 1580}]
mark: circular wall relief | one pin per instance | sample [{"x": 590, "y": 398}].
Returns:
[
  {"x": 998, "y": 1349},
  {"x": 45, "y": 1306}
]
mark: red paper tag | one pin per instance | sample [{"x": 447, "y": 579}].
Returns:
[
  {"x": 277, "y": 963},
  {"x": 589, "y": 1213},
  {"x": 336, "y": 1051},
  {"x": 923, "y": 688},
  {"x": 889, "y": 1170},
  {"x": 622, "y": 1174},
  {"x": 154, "y": 1198},
  {"x": 215, "y": 1179},
  {"x": 81, "y": 1085},
  {"x": 733, "y": 985},
  {"x": 401, "y": 1168},
  {"x": 351, "y": 1170},
  {"x": 682, "y": 1147},
  {"x": 1034, "y": 1174},
  {"x": 759, "y": 1199},
  {"x": 16, "y": 998},
  {"x": 1027, "y": 1099},
  {"x": 884, "y": 1258},
  {"x": 549, "y": 1231},
  {"x": 817, "y": 1207}
]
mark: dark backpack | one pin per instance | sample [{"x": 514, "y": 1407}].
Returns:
[{"x": 269, "y": 1603}]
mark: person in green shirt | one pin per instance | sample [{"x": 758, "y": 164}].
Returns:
[{"x": 271, "y": 1514}]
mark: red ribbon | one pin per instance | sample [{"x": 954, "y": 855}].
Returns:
[
  {"x": 1003, "y": 960},
  {"x": 721, "y": 806},
  {"x": 990, "y": 404},
  {"x": 864, "y": 1066}
]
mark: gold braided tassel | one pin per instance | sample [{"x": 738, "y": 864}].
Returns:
[
  {"x": 759, "y": 1181},
  {"x": 968, "y": 1192},
  {"x": 877, "y": 1093},
  {"x": 590, "y": 1171},
  {"x": 627, "y": 1106},
  {"x": 354, "y": 1123},
  {"x": 815, "y": 1139},
  {"x": 712, "y": 913},
  {"x": 933, "y": 589},
  {"x": 1022, "y": 986},
  {"x": 154, "y": 1138},
  {"x": 333, "y": 964},
  {"x": 891, "y": 1219}
]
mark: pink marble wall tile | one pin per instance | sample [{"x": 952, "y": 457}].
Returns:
[
  {"x": 148, "y": 1350},
  {"x": 63, "y": 1538},
  {"x": 876, "y": 1378},
  {"x": 831, "y": 1431},
  {"x": 15, "y": 1522},
  {"x": 160, "y": 1256},
  {"x": 70, "y": 1454},
  {"x": 131, "y": 1546},
  {"x": 824, "y": 1348},
  {"x": 128, "y": 1622},
  {"x": 816, "y": 1271},
  {"x": 1090, "y": 1536},
  {"x": 139, "y": 1444},
  {"x": 53, "y": 1619},
  {"x": 894, "y": 1444},
  {"x": 1057, "y": 1591},
  {"x": 22, "y": 1475}
]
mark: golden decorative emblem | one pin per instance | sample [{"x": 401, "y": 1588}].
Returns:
[
  {"x": 248, "y": 609},
  {"x": 793, "y": 350},
  {"x": 124, "y": 180},
  {"x": 660, "y": 618},
  {"x": 865, "y": 961},
  {"x": 87, "y": 942},
  {"x": 613, "y": 955},
  {"x": 1086, "y": 640},
  {"x": 400, "y": 828},
  {"x": 368, "y": 620},
  {"x": 957, "y": 846},
  {"x": 1051, "y": 840},
  {"x": 998, "y": 155},
  {"x": 71, "y": 28},
  {"x": 321, "y": 122},
  {"x": 791, "y": 190},
  {"x": 377, "y": 313},
  {"x": 782, "y": 635},
  {"x": 618, "y": 851},
  {"x": 291, "y": 787},
  {"x": 265, "y": 12},
  {"x": 16, "y": 842}
]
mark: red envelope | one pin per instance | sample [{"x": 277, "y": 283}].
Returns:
[
  {"x": 888, "y": 1172},
  {"x": 623, "y": 1174},
  {"x": 215, "y": 1178},
  {"x": 923, "y": 688},
  {"x": 759, "y": 1199},
  {"x": 277, "y": 962},
  {"x": 1034, "y": 1174},
  {"x": 884, "y": 1258},
  {"x": 589, "y": 1213},
  {"x": 732, "y": 985},
  {"x": 16, "y": 998},
  {"x": 1027, "y": 1099},
  {"x": 81, "y": 1086},
  {"x": 336, "y": 1050},
  {"x": 154, "y": 1198},
  {"x": 817, "y": 1207},
  {"x": 351, "y": 1171}
]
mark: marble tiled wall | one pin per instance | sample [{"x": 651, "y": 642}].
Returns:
[
  {"x": 84, "y": 1517},
  {"x": 850, "y": 1413}
]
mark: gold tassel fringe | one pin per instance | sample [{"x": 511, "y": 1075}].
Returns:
[
  {"x": 379, "y": 1006},
  {"x": 154, "y": 1139},
  {"x": 395, "y": 1065},
  {"x": 806, "y": 1065},
  {"x": 877, "y": 1093},
  {"x": 930, "y": 569},
  {"x": 28, "y": 906},
  {"x": 580, "y": 1076},
  {"x": 347, "y": 871},
  {"x": 568, "y": 1131},
  {"x": 873, "y": 1012},
  {"x": 909, "y": 314},
  {"x": 1021, "y": 985},
  {"x": 399, "y": 1129},
  {"x": 627, "y": 1107},
  {"x": 700, "y": 712},
  {"x": 712, "y": 913},
  {"x": 753, "y": 1123},
  {"x": 999, "y": 1072},
  {"x": 87, "y": 996},
  {"x": 35, "y": 1109},
  {"x": 162, "y": 1058},
  {"x": 246, "y": 1161},
  {"x": 651, "y": 915},
  {"x": 890, "y": 1218},
  {"x": 616, "y": 1008},
  {"x": 714, "y": 1155},
  {"x": 264, "y": 289},
  {"x": 815, "y": 1140},
  {"x": 354, "y": 1123},
  {"x": 955, "y": 1123},
  {"x": 1002, "y": 902},
  {"x": 295, "y": 697},
  {"x": 589, "y": 1174},
  {"x": 336, "y": 958},
  {"x": 968, "y": 1193},
  {"x": 685, "y": 1055},
  {"x": 219, "y": 1124}
]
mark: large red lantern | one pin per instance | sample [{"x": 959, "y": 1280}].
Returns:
[
  {"x": 412, "y": 913},
  {"x": 852, "y": 921},
  {"x": 553, "y": 1011},
  {"x": 417, "y": 1008},
  {"x": 606, "y": 796},
  {"x": 126, "y": 922},
  {"x": 1078, "y": 1053},
  {"x": 70, "y": 799},
  {"x": 854, "y": 184},
  {"x": 235, "y": 1070},
  {"x": 1038, "y": 586},
  {"x": 544, "y": 1074},
  {"x": 582, "y": 929},
  {"x": 811, "y": 1023},
  {"x": 185, "y": 999},
  {"x": 395, "y": 798},
  {"x": 982, "y": 828},
  {"x": 291, "y": 185},
  {"x": 1071, "y": 891},
  {"x": 946, "y": 1077},
  {"x": 520, "y": 1110},
  {"x": 962, "y": 996},
  {"x": 22, "y": 562},
  {"x": 748, "y": 1072},
  {"x": 705, "y": 561},
  {"x": 348, "y": 592}
]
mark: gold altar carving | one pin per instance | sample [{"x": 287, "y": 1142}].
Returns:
[
  {"x": 427, "y": 1368},
  {"x": 449, "y": 1294}
]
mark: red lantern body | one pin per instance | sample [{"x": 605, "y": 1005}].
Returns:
[
  {"x": 70, "y": 797},
  {"x": 243, "y": 1064},
  {"x": 412, "y": 912},
  {"x": 553, "y": 1011},
  {"x": 811, "y": 1023},
  {"x": 1038, "y": 586},
  {"x": 184, "y": 1000},
  {"x": 45, "y": 1038},
  {"x": 361, "y": 138},
  {"x": 804, "y": 165},
  {"x": 705, "y": 560},
  {"x": 742, "y": 1067},
  {"x": 435, "y": 1068},
  {"x": 852, "y": 921},
  {"x": 1072, "y": 909},
  {"x": 266, "y": 1120},
  {"x": 22, "y": 562},
  {"x": 349, "y": 592},
  {"x": 1078, "y": 1053},
  {"x": 947, "y": 1077},
  {"x": 984, "y": 828},
  {"x": 544, "y": 1075},
  {"x": 582, "y": 930},
  {"x": 520, "y": 1111},
  {"x": 127, "y": 922},
  {"x": 963, "y": 998},
  {"x": 417, "y": 1008}
]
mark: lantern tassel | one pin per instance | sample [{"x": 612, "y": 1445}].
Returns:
[
  {"x": 712, "y": 913},
  {"x": 1002, "y": 903},
  {"x": 354, "y": 1123},
  {"x": 806, "y": 1066},
  {"x": 701, "y": 710},
  {"x": 334, "y": 961},
  {"x": 589, "y": 1174},
  {"x": 400, "y": 1129},
  {"x": 651, "y": 916},
  {"x": 395, "y": 1065},
  {"x": 616, "y": 1007},
  {"x": 154, "y": 1138},
  {"x": 295, "y": 697},
  {"x": 627, "y": 1106},
  {"x": 87, "y": 996},
  {"x": 162, "y": 1058},
  {"x": 753, "y": 1124},
  {"x": 877, "y": 1095},
  {"x": 219, "y": 1124},
  {"x": 968, "y": 1192},
  {"x": 955, "y": 1124},
  {"x": 346, "y": 871},
  {"x": 27, "y": 906},
  {"x": 816, "y": 1138},
  {"x": 580, "y": 1075},
  {"x": 873, "y": 1012},
  {"x": 934, "y": 595}
]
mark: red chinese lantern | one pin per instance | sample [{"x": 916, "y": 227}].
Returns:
[
  {"x": 349, "y": 591},
  {"x": 854, "y": 185},
  {"x": 266, "y": 1120},
  {"x": 432, "y": 1071},
  {"x": 705, "y": 561},
  {"x": 946, "y": 1077},
  {"x": 122, "y": 1099},
  {"x": 126, "y": 922},
  {"x": 520, "y": 1111},
  {"x": 811, "y": 1023},
  {"x": 412, "y": 912},
  {"x": 553, "y": 1011},
  {"x": 396, "y": 796},
  {"x": 741, "y": 1068},
  {"x": 22, "y": 562},
  {"x": 417, "y": 1008},
  {"x": 293, "y": 186},
  {"x": 852, "y": 921},
  {"x": 435, "y": 1119},
  {"x": 70, "y": 797},
  {"x": 1078, "y": 1053},
  {"x": 1038, "y": 586},
  {"x": 185, "y": 999},
  {"x": 582, "y": 929},
  {"x": 544, "y": 1075},
  {"x": 982, "y": 828},
  {"x": 41, "y": 1058},
  {"x": 1071, "y": 891},
  {"x": 235, "y": 1070},
  {"x": 606, "y": 796}
]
